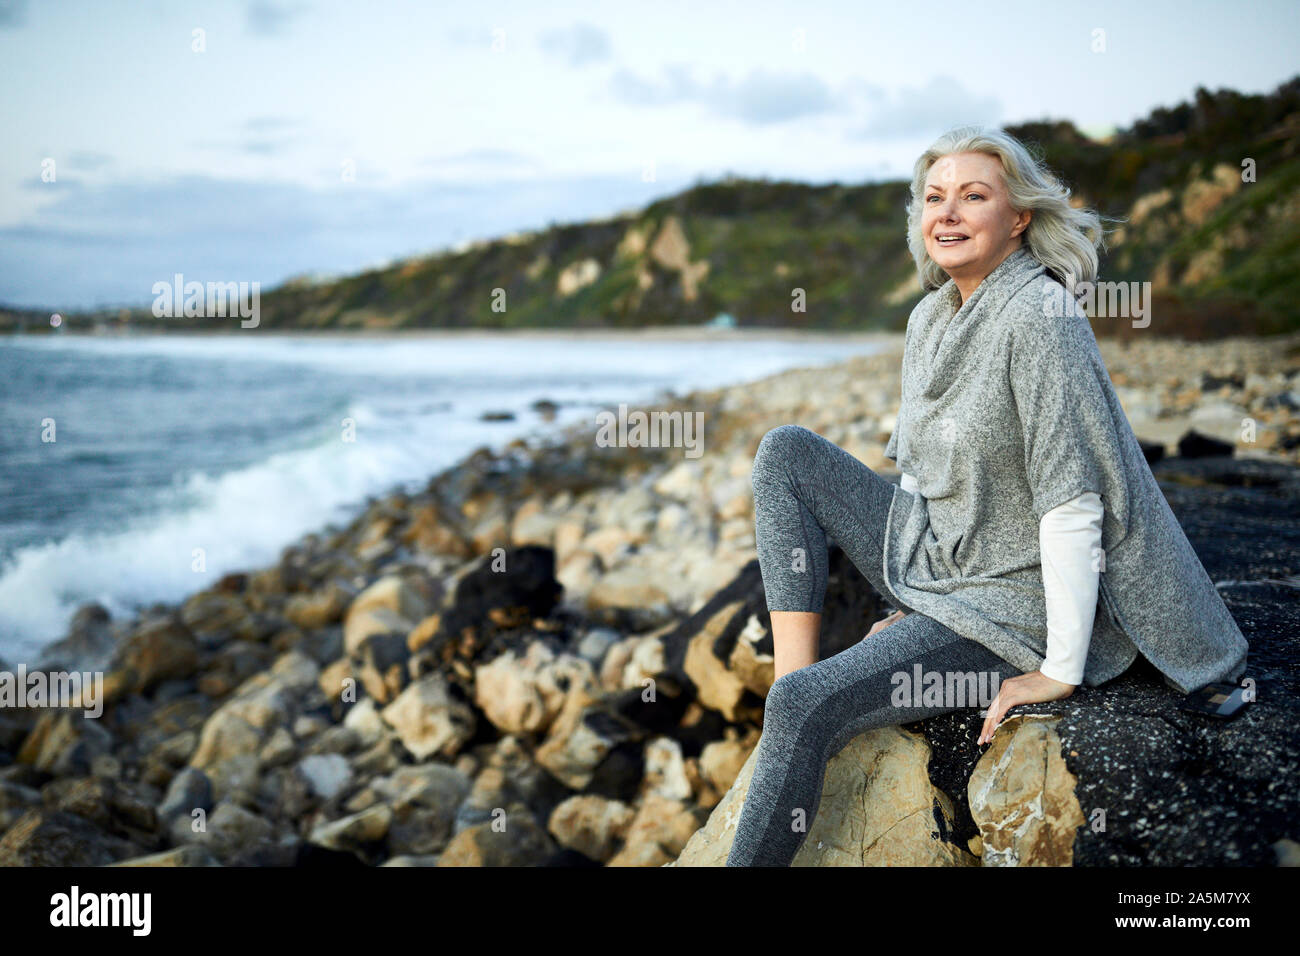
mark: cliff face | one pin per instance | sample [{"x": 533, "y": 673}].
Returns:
[{"x": 1206, "y": 194}]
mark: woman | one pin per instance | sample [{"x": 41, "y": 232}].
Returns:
[{"x": 1026, "y": 504}]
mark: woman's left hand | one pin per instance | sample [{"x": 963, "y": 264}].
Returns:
[{"x": 1032, "y": 688}]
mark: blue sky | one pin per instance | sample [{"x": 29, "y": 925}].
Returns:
[{"x": 467, "y": 121}]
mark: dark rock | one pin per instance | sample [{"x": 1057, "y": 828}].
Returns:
[
  {"x": 1152, "y": 451},
  {"x": 1211, "y": 383},
  {"x": 59, "y": 838},
  {"x": 493, "y": 611},
  {"x": 1181, "y": 789},
  {"x": 1196, "y": 445},
  {"x": 88, "y": 646}
]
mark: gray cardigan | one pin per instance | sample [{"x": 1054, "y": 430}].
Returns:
[{"x": 1006, "y": 412}]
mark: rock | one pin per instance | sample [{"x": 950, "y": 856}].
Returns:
[
  {"x": 320, "y": 608},
  {"x": 1022, "y": 797},
  {"x": 232, "y": 832},
  {"x": 244, "y": 723},
  {"x": 1196, "y": 445},
  {"x": 583, "y": 735},
  {"x": 360, "y": 833},
  {"x": 590, "y": 824},
  {"x": 188, "y": 855},
  {"x": 65, "y": 743},
  {"x": 428, "y": 719},
  {"x": 720, "y": 764},
  {"x": 188, "y": 791},
  {"x": 88, "y": 646},
  {"x": 716, "y": 685},
  {"x": 159, "y": 650},
  {"x": 659, "y": 832},
  {"x": 364, "y": 720},
  {"x": 496, "y": 596},
  {"x": 424, "y": 801},
  {"x": 58, "y": 838},
  {"x": 665, "y": 770},
  {"x": 596, "y": 642},
  {"x": 15, "y": 800},
  {"x": 380, "y": 661},
  {"x": 111, "y": 805},
  {"x": 326, "y": 774},
  {"x": 524, "y": 694},
  {"x": 389, "y": 606},
  {"x": 513, "y": 838},
  {"x": 878, "y": 808},
  {"x": 215, "y": 617}
]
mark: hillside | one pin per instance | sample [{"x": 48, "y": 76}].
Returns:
[{"x": 1222, "y": 254}]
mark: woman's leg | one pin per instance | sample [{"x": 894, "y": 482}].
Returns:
[
  {"x": 813, "y": 712},
  {"x": 804, "y": 487}
]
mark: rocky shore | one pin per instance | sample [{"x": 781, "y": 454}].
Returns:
[{"x": 558, "y": 656}]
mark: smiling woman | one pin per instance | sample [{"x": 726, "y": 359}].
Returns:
[{"x": 1025, "y": 483}]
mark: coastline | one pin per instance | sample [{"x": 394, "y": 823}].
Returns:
[{"x": 477, "y": 689}]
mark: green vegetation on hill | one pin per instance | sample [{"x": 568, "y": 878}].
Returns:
[{"x": 1222, "y": 254}]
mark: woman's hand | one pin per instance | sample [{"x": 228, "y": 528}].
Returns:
[
  {"x": 884, "y": 623},
  {"x": 1032, "y": 688}
]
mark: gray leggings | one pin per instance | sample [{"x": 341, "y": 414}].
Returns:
[{"x": 804, "y": 487}]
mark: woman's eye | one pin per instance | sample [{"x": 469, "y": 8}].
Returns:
[{"x": 976, "y": 195}]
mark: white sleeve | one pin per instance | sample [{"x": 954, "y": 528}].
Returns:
[
  {"x": 907, "y": 483},
  {"x": 1069, "y": 542}
]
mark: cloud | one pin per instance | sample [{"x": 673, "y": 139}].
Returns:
[
  {"x": 105, "y": 245},
  {"x": 89, "y": 160},
  {"x": 265, "y": 18},
  {"x": 270, "y": 124},
  {"x": 579, "y": 44},
  {"x": 942, "y": 103},
  {"x": 474, "y": 162},
  {"x": 759, "y": 98},
  {"x": 13, "y": 14}
]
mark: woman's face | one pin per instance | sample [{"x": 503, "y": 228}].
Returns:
[{"x": 964, "y": 196}]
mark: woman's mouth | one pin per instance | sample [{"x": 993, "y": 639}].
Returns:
[{"x": 950, "y": 239}]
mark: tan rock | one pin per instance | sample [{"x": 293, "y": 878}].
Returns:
[
  {"x": 428, "y": 720},
  {"x": 877, "y": 809},
  {"x": 659, "y": 832},
  {"x": 718, "y": 687},
  {"x": 525, "y": 694},
  {"x": 512, "y": 838},
  {"x": 590, "y": 824},
  {"x": 320, "y": 608},
  {"x": 577, "y": 745},
  {"x": 390, "y": 605},
  {"x": 1022, "y": 797}
]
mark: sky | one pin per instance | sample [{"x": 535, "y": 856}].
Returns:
[{"x": 256, "y": 140}]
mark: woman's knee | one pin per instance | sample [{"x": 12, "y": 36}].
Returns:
[
  {"x": 780, "y": 447},
  {"x": 787, "y": 700}
]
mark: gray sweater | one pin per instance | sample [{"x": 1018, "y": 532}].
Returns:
[{"x": 1007, "y": 411}]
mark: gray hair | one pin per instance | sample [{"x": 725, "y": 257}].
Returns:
[{"x": 1061, "y": 237}]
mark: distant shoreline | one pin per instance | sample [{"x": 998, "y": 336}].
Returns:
[{"x": 659, "y": 332}]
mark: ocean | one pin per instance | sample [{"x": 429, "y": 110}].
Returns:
[{"x": 237, "y": 444}]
